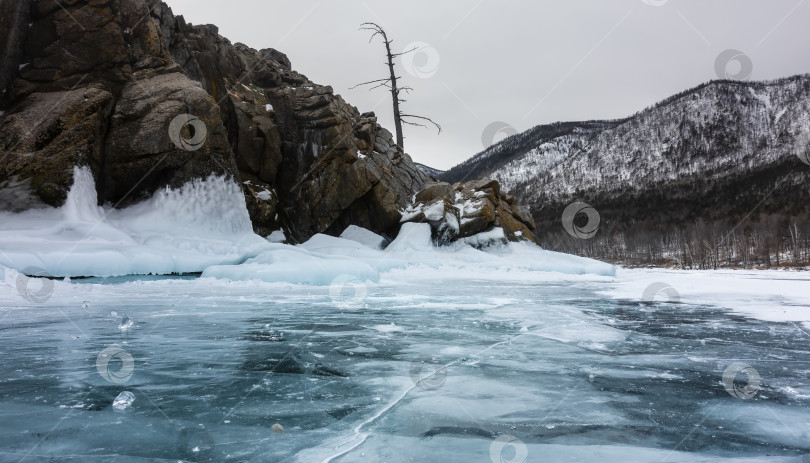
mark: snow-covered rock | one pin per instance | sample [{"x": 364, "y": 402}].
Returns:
[{"x": 466, "y": 209}]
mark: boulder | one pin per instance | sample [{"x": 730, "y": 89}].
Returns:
[
  {"x": 433, "y": 191},
  {"x": 262, "y": 205},
  {"x": 140, "y": 155},
  {"x": 478, "y": 210}
]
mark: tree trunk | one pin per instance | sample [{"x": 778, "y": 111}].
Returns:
[{"x": 395, "y": 97}]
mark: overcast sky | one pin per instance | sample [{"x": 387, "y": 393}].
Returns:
[{"x": 521, "y": 63}]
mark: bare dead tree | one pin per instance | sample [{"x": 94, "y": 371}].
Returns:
[{"x": 391, "y": 83}]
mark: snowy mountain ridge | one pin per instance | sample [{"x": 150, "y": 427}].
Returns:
[
  {"x": 427, "y": 170},
  {"x": 724, "y": 140},
  {"x": 714, "y": 130}
]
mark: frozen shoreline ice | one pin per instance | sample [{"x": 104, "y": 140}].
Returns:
[{"x": 204, "y": 227}]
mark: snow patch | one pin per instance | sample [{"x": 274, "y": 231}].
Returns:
[
  {"x": 770, "y": 295},
  {"x": 495, "y": 235},
  {"x": 277, "y": 237},
  {"x": 390, "y": 328},
  {"x": 435, "y": 211},
  {"x": 363, "y": 236},
  {"x": 411, "y": 237}
]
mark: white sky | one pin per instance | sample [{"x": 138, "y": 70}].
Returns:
[{"x": 520, "y": 62}]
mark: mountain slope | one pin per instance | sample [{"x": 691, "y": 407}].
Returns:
[
  {"x": 723, "y": 155},
  {"x": 427, "y": 170}
]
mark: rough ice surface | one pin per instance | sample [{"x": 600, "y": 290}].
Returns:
[
  {"x": 549, "y": 365},
  {"x": 363, "y": 236},
  {"x": 407, "y": 353},
  {"x": 203, "y": 223},
  {"x": 293, "y": 265}
]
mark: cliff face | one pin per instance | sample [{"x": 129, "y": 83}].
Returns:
[
  {"x": 148, "y": 101},
  {"x": 100, "y": 83},
  {"x": 90, "y": 84}
]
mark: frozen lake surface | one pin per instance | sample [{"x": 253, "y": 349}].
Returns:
[{"x": 430, "y": 370}]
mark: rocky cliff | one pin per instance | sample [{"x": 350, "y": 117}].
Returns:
[{"x": 148, "y": 101}]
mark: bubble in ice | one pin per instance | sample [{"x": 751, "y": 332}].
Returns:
[
  {"x": 123, "y": 401},
  {"x": 126, "y": 324},
  {"x": 195, "y": 444}
]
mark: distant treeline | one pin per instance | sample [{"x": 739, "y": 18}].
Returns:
[{"x": 769, "y": 243}]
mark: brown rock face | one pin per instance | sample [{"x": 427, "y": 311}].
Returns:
[
  {"x": 328, "y": 165},
  {"x": 41, "y": 144},
  {"x": 96, "y": 86}
]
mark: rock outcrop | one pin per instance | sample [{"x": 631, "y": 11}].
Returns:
[
  {"x": 95, "y": 85},
  {"x": 470, "y": 210},
  {"x": 147, "y": 101}
]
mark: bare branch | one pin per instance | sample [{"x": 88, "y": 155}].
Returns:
[
  {"x": 423, "y": 118},
  {"x": 405, "y": 52},
  {"x": 385, "y": 84},
  {"x": 413, "y": 123},
  {"x": 370, "y": 82},
  {"x": 376, "y": 29}
]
